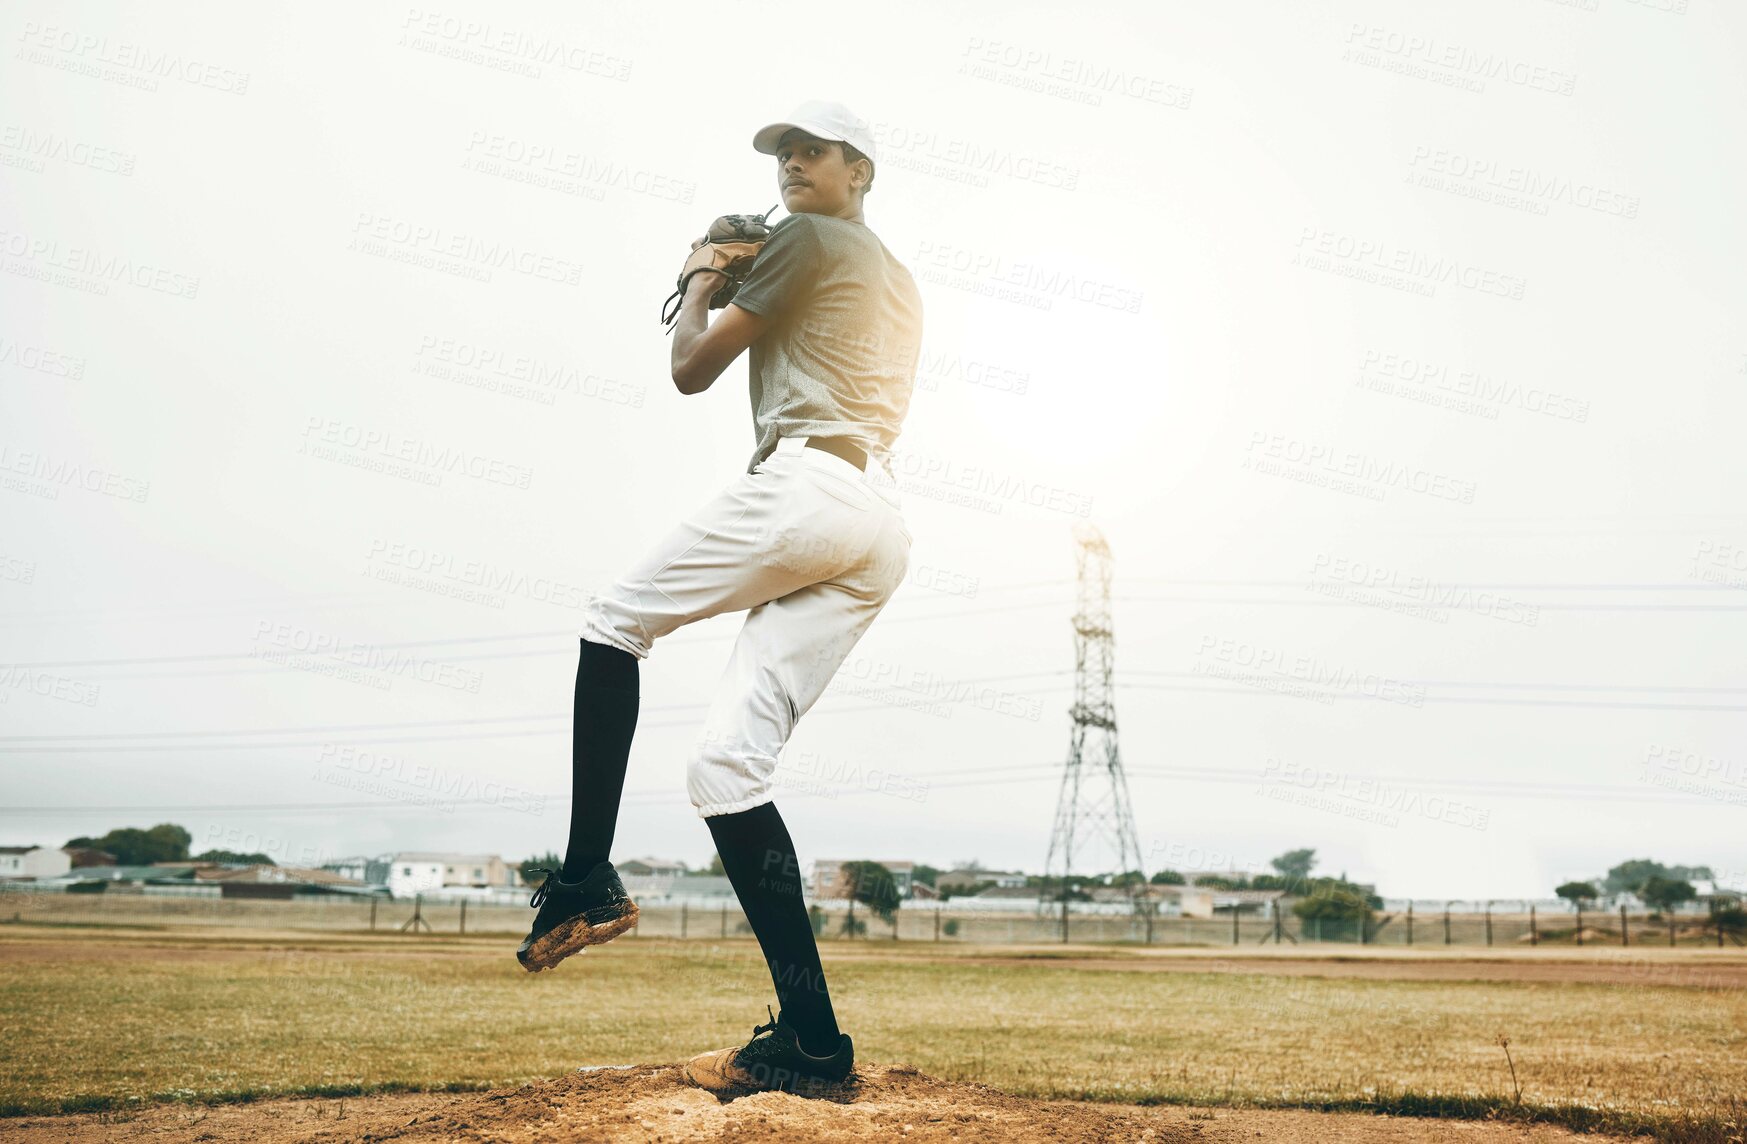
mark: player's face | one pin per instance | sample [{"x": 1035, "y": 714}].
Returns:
[{"x": 812, "y": 176}]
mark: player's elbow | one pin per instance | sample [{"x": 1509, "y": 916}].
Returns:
[{"x": 689, "y": 379}]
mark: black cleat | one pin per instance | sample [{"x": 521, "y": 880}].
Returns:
[
  {"x": 575, "y": 915},
  {"x": 772, "y": 1060}
]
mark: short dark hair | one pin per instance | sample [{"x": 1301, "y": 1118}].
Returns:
[{"x": 850, "y": 156}]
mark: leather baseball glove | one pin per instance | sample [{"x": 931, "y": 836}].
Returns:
[{"x": 730, "y": 246}]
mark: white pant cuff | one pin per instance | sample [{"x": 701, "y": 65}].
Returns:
[{"x": 711, "y": 809}]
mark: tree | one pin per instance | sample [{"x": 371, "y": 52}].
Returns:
[
  {"x": 1337, "y": 912},
  {"x": 1730, "y": 920},
  {"x": 872, "y": 884},
  {"x": 234, "y": 858},
  {"x": 925, "y": 874},
  {"x": 970, "y": 891},
  {"x": 132, "y": 846},
  {"x": 1633, "y": 873},
  {"x": 548, "y": 860},
  {"x": 1295, "y": 865},
  {"x": 1663, "y": 894},
  {"x": 1167, "y": 878},
  {"x": 1577, "y": 893},
  {"x": 716, "y": 866}
]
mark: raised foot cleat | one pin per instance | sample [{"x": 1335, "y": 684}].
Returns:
[{"x": 574, "y": 916}]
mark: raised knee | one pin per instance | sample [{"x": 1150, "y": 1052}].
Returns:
[{"x": 725, "y": 775}]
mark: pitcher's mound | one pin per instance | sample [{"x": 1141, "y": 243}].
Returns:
[{"x": 654, "y": 1103}]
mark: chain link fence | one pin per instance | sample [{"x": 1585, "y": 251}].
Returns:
[{"x": 914, "y": 922}]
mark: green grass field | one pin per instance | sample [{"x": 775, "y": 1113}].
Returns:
[{"x": 98, "y": 1018}]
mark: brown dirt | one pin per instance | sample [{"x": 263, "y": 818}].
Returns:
[{"x": 653, "y": 1103}]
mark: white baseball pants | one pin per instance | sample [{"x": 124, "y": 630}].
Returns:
[{"x": 812, "y": 548}]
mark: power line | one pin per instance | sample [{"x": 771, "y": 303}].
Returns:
[
  {"x": 571, "y": 635},
  {"x": 1479, "y": 685},
  {"x": 22, "y": 741},
  {"x": 984, "y": 776}
]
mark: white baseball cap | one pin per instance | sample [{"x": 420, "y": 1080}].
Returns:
[{"x": 823, "y": 119}]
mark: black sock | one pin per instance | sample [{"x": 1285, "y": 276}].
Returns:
[
  {"x": 759, "y": 858},
  {"x": 600, "y": 744}
]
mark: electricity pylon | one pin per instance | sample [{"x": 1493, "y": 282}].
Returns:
[{"x": 1094, "y": 813}]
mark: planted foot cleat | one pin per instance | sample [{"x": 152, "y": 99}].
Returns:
[{"x": 772, "y": 1060}]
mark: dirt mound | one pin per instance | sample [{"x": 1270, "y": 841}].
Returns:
[{"x": 654, "y": 1103}]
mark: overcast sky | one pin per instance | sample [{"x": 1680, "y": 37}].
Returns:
[{"x": 1397, "y": 350}]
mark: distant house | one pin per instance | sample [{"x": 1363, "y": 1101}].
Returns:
[
  {"x": 88, "y": 856},
  {"x": 1705, "y": 893},
  {"x": 132, "y": 875},
  {"x": 1709, "y": 892},
  {"x": 33, "y": 862},
  {"x": 422, "y": 872},
  {"x": 969, "y": 876},
  {"x": 828, "y": 882},
  {"x": 1244, "y": 901},
  {"x": 649, "y": 868},
  {"x": 1181, "y": 901},
  {"x": 370, "y": 871},
  {"x": 268, "y": 881},
  {"x": 1171, "y": 901}
]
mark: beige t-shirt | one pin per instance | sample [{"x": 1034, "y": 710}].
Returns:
[{"x": 840, "y": 358}]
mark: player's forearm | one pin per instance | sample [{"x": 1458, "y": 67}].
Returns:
[{"x": 689, "y": 326}]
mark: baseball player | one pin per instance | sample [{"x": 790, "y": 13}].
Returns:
[{"x": 810, "y": 542}]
